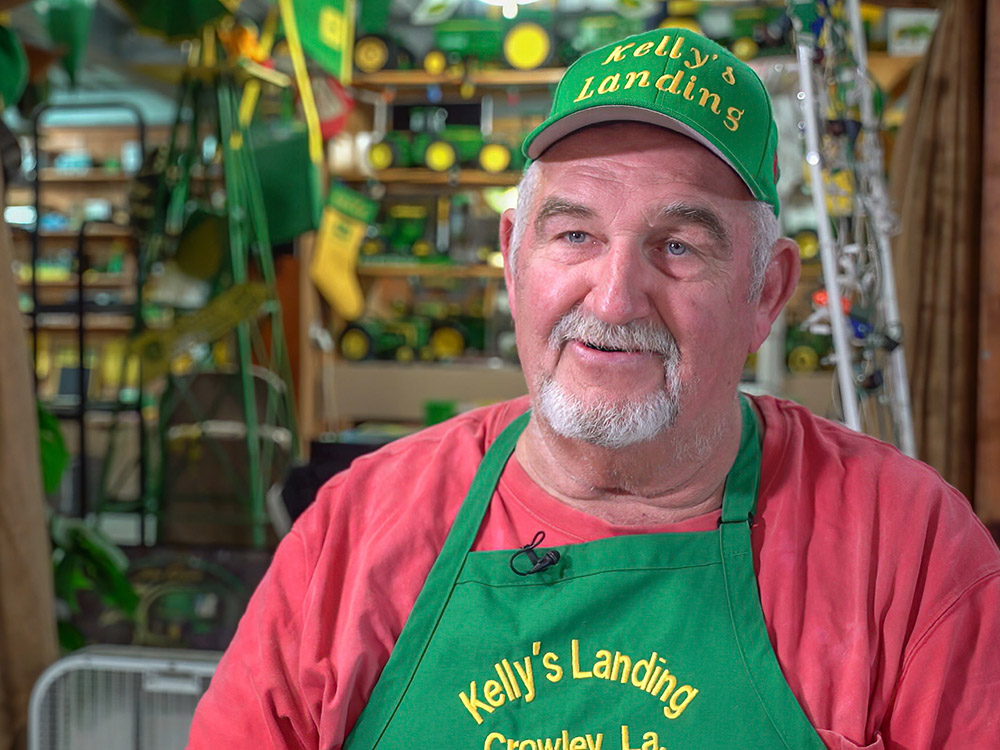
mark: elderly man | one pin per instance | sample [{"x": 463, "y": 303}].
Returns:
[{"x": 643, "y": 558}]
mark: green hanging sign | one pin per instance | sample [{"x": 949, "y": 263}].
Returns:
[
  {"x": 326, "y": 30},
  {"x": 13, "y": 67},
  {"x": 373, "y": 16},
  {"x": 68, "y": 23}
]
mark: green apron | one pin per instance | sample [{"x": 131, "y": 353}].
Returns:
[{"x": 651, "y": 641}]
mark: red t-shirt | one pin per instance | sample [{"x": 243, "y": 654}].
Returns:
[{"x": 880, "y": 588}]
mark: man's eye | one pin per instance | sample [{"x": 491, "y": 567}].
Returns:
[
  {"x": 575, "y": 238},
  {"x": 673, "y": 247}
]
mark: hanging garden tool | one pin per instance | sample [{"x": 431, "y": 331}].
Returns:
[
  {"x": 177, "y": 19},
  {"x": 68, "y": 23}
]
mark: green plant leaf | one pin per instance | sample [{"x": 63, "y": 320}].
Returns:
[
  {"x": 67, "y": 579},
  {"x": 106, "y": 567},
  {"x": 53, "y": 454},
  {"x": 70, "y": 636}
]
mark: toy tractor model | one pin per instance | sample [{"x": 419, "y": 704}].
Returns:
[
  {"x": 806, "y": 351},
  {"x": 403, "y": 231},
  {"x": 465, "y": 43},
  {"x": 453, "y": 145},
  {"x": 746, "y": 31},
  {"x": 393, "y": 150},
  {"x": 373, "y": 338},
  {"x": 408, "y": 149},
  {"x": 404, "y": 339},
  {"x": 501, "y": 154},
  {"x": 591, "y": 32},
  {"x": 376, "y": 52},
  {"x": 434, "y": 144}
]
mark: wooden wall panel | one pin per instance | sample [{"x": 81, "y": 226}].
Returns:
[{"x": 987, "y": 494}]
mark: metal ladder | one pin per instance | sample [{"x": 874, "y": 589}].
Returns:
[{"x": 855, "y": 250}]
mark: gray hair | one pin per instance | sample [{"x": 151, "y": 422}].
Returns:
[{"x": 765, "y": 229}]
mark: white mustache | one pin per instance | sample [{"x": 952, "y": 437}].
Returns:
[{"x": 634, "y": 336}]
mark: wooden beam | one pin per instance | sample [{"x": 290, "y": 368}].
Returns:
[
  {"x": 987, "y": 492},
  {"x": 309, "y": 367}
]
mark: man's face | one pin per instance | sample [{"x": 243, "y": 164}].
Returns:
[{"x": 631, "y": 290}]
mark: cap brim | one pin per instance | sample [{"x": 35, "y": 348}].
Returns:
[{"x": 614, "y": 112}]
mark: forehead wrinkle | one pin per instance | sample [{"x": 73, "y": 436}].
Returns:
[
  {"x": 556, "y": 206},
  {"x": 694, "y": 214}
]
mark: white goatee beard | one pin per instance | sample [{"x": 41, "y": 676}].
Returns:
[{"x": 619, "y": 423}]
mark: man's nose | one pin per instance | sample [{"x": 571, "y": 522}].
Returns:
[{"x": 620, "y": 284}]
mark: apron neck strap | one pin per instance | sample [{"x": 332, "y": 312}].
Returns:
[{"x": 739, "y": 501}]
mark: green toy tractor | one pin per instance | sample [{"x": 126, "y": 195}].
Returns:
[
  {"x": 404, "y": 339},
  {"x": 403, "y": 231},
  {"x": 463, "y": 43},
  {"x": 436, "y": 145}
]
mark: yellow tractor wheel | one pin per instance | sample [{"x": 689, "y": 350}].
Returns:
[
  {"x": 372, "y": 246},
  {"x": 355, "y": 344},
  {"x": 682, "y": 23},
  {"x": 494, "y": 157},
  {"x": 803, "y": 359},
  {"x": 526, "y": 46},
  {"x": 447, "y": 342},
  {"x": 808, "y": 244},
  {"x": 745, "y": 48},
  {"x": 440, "y": 156},
  {"x": 381, "y": 155},
  {"x": 421, "y": 248},
  {"x": 371, "y": 54},
  {"x": 435, "y": 62}
]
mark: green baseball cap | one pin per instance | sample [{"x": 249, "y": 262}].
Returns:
[{"x": 679, "y": 80}]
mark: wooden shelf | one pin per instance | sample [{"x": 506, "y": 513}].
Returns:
[
  {"x": 497, "y": 77},
  {"x": 100, "y": 281},
  {"x": 52, "y": 175},
  {"x": 73, "y": 234},
  {"x": 92, "y": 322},
  {"x": 440, "y": 270},
  {"x": 398, "y": 391},
  {"x": 418, "y": 176}
]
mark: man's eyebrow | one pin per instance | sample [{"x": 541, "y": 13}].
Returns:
[
  {"x": 707, "y": 218},
  {"x": 555, "y": 206}
]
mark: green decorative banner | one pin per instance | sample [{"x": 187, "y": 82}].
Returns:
[{"x": 326, "y": 29}]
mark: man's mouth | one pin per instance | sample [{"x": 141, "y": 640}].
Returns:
[
  {"x": 610, "y": 349},
  {"x": 635, "y": 337}
]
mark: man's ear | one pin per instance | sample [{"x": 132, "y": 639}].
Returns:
[
  {"x": 780, "y": 280},
  {"x": 506, "y": 234}
]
